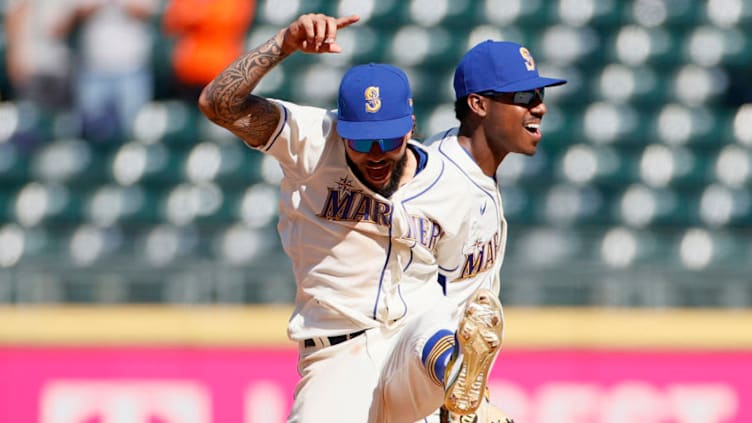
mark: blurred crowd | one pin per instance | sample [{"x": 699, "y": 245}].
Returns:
[{"x": 93, "y": 60}]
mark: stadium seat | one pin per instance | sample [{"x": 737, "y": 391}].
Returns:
[
  {"x": 71, "y": 161},
  {"x": 676, "y": 16},
  {"x": 519, "y": 206},
  {"x": 732, "y": 165},
  {"x": 567, "y": 205},
  {"x": 169, "y": 121},
  {"x": 363, "y": 44},
  {"x": 437, "y": 47},
  {"x": 388, "y": 14},
  {"x": 36, "y": 203},
  {"x": 723, "y": 206},
  {"x": 600, "y": 164},
  {"x": 135, "y": 161},
  {"x": 240, "y": 166},
  {"x": 14, "y": 165},
  {"x": 162, "y": 244},
  {"x": 130, "y": 206},
  {"x": 641, "y": 206},
  {"x": 431, "y": 85},
  {"x": 504, "y": 13},
  {"x": 698, "y": 248},
  {"x": 532, "y": 252},
  {"x": 89, "y": 244},
  {"x": 692, "y": 167}
]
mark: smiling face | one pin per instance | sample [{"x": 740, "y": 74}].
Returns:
[
  {"x": 379, "y": 170},
  {"x": 511, "y": 126}
]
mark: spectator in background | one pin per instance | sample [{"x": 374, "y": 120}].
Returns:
[
  {"x": 114, "y": 75},
  {"x": 38, "y": 57},
  {"x": 38, "y": 61},
  {"x": 209, "y": 34}
]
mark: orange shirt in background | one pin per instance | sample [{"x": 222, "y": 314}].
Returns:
[{"x": 210, "y": 34}]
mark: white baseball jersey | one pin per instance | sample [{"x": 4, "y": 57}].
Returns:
[
  {"x": 467, "y": 206},
  {"x": 338, "y": 233},
  {"x": 361, "y": 262}
]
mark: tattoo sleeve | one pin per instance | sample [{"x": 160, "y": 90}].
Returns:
[{"x": 228, "y": 102}]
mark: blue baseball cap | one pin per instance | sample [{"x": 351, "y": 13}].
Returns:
[
  {"x": 498, "y": 66},
  {"x": 375, "y": 102}
]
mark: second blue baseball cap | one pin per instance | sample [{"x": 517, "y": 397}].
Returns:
[
  {"x": 375, "y": 102},
  {"x": 498, "y": 66}
]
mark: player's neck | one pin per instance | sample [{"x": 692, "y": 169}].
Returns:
[
  {"x": 411, "y": 165},
  {"x": 481, "y": 153}
]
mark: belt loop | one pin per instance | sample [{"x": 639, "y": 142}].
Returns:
[
  {"x": 327, "y": 341},
  {"x": 319, "y": 341}
]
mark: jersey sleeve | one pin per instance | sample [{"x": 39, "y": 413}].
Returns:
[
  {"x": 450, "y": 248},
  {"x": 301, "y": 138}
]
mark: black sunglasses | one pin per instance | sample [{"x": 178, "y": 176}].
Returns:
[{"x": 521, "y": 98}]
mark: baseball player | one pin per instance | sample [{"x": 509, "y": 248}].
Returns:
[
  {"x": 362, "y": 257},
  {"x": 336, "y": 222},
  {"x": 499, "y": 103}
]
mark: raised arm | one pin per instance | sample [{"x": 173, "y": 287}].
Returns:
[{"x": 227, "y": 100}]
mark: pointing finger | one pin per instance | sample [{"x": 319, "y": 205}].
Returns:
[
  {"x": 333, "y": 26},
  {"x": 347, "y": 21}
]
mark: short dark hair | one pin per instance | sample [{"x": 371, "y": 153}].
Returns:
[{"x": 461, "y": 109}]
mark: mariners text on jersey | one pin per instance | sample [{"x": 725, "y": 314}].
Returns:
[
  {"x": 345, "y": 203},
  {"x": 481, "y": 258},
  {"x": 424, "y": 231}
]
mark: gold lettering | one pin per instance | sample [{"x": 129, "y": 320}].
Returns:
[
  {"x": 336, "y": 208},
  {"x": 381, "y": 213},
  {"x": 363, "y": 210}
]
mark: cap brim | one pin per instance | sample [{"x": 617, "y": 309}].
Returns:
[
  {"x": 530, "y": 84},
  {"x": 375, "y": 129}
]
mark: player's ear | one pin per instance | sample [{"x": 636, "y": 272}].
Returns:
[{"x": 477, "y": 104}]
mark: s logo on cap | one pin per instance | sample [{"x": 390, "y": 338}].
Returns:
[
  {"x": 373, "y": 101},
  {"x": 529, "y": 61}
]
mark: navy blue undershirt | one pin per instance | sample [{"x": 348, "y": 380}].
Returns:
[{"x": 422, "y": 158}]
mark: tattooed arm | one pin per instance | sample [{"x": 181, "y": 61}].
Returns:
[{"x": 227, "y": 100}]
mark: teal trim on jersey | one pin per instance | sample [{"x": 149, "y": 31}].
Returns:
[
  {"x": 422, "y": 158},
  {"x": 470, "y": 155},
  {"x": 429, "y": 187},
  {"x": 458, "y": 166},
  {"x": 271, "y": 142},
  {"x": 443, "y": 283}
]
